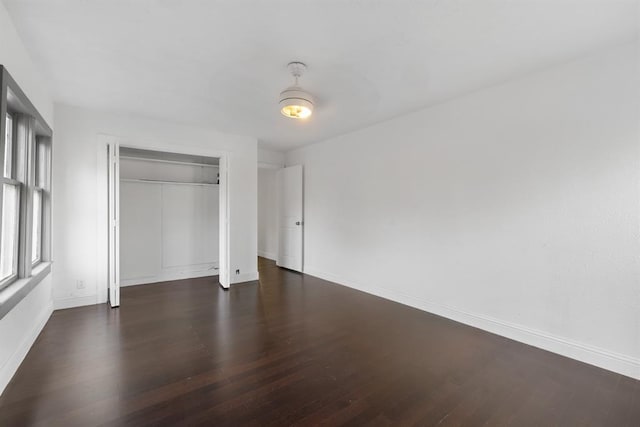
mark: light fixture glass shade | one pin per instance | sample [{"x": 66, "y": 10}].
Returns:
[{"x": 296, "y": 103}]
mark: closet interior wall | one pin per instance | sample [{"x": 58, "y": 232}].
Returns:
[{"x": 169, "y": 214}]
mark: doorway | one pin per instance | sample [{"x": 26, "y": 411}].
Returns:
[
  {"x": 290, "y": 218},
  {"x": 280, "y": 215},
  {"x": 167, "y": 215}
]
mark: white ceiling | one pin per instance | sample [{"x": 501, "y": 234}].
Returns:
[{"x": 223, "y": 63}]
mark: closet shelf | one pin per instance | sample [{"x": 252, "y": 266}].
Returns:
[{"x": 155, "y": 181}]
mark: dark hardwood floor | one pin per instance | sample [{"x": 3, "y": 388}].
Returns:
[{"x": 295, "y": 350}]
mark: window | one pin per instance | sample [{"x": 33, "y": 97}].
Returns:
[
  {"x": 9, "y": 213},
  {"x": 8, "y": 147},
  {"x": 25, "y": 195},
  {"x": 24, "y": 198},
  {"x": 37, "y": 202},
  {"x": 9, "y": 230},
  {"x": 36, "y": 229}
]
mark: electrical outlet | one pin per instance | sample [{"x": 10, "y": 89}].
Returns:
[
  {"x": 238, "y": 271},
  {"x": 80, "y": 284}
]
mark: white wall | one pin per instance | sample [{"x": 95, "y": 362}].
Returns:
[
  {"x": 270, "y": 158},
  {"x": 167, "y": 232},
  {"x": 78, "y": 213},
  {"x": 15, "y": 58},
  {"x": 269, "y": 162},
  {"x": 267, "y": 213},
  {"x": 144, "y": 169},
  {"x": 514, "y": 209},
  {"x": 20, "y": 327}
]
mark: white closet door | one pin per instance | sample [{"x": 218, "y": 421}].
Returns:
[{"x": 114, "y": 224}]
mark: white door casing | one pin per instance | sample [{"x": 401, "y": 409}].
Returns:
[
  {"x": 290, "y": 218},
  {"x": 108, "y": 201},
  {"x": 114, "y": 224},
  {"x": 224, "y": 272}
]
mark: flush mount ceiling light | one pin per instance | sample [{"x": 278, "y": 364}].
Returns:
[{"x": 294, "y": 101}]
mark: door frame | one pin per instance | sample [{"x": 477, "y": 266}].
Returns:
[
  {"x": 300, "y": 221},
  {"x": 109, "y": 142}
]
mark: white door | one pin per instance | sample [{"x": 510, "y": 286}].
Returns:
[
  {"x": 290, "y": 218},
  {"x": 114, "y": 224},
  {"x": 223, "y": 235}
]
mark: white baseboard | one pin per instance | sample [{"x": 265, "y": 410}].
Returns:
[
  {"x": 245, "y": 277},
  {"x": 620, "y": 363},
  {"x": 267, "y": 255},
  {"x": 168, "y": 277},
  {"x": 61, "y": 304},
  {"x": 13, "y": 363}
]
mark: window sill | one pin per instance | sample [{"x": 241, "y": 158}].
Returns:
[{"x": 15, "y": 292}]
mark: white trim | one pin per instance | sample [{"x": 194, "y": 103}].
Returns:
[
  {"x": 245, "y": 277},
  {"x": 268, "y": 255},
  {"x": 64, "y": 303},
  {"x": 102, "y": 205},
  {"x": 169, "y": 277},
  {"x": 224, "y": 236},
  {"x": 114, "y": 223},
  {"x": 224, "y": 196},
  {"x": 265, "y": 165},
  {"x": 154, "y": 181},
  {"x": 13, "y": 363},
  {"x": 198, "y": 266},
  {"x": 16, "y": 291},
  {"x": 171, "y": 162},
  {"x": 616, "y": 362}
]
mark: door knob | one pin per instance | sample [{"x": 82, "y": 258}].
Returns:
[{"x": 297, "y": 222}]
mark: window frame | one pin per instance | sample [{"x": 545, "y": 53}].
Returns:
[
  {"x": 11, "y": 135},
  {"x": 36, "y": 246},
  {"x": 41, "y": 168},
  {"x": 16, "y": 248},
  {"x": 30, "y": 172},
  {"x": 9, "y": 180}
]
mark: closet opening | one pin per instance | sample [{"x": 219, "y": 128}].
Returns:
[{"x": 167, "y": 217}]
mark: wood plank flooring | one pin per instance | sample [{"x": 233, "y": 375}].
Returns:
[{"x": 295, "y": 349}]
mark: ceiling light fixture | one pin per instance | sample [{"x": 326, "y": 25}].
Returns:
[{"x": 294, "y": 101}]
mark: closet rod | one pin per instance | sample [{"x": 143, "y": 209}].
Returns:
[{"x": 154, "y": 181}]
